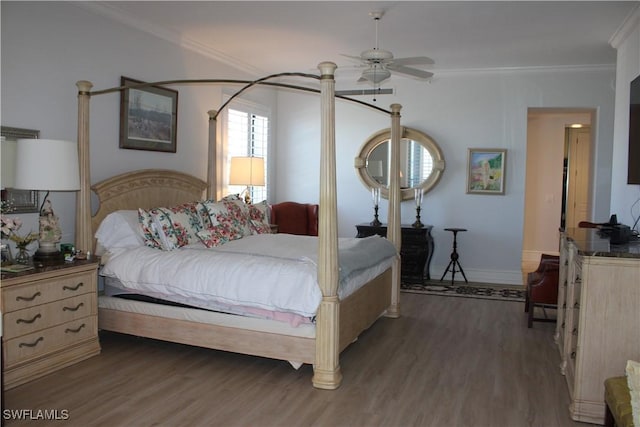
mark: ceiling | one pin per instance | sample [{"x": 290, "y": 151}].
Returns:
[{"x": 266, "y": 37}]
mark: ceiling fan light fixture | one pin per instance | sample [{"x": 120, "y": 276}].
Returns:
[
  {"x": 376, "y": 55},
  {"x": 376, "y": 75}
]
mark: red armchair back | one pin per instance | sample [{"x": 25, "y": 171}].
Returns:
[{"x": 295, "y": 218}]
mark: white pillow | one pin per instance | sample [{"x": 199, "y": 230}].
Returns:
[{"x": 120, "y": 229}]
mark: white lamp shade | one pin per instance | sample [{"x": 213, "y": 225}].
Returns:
[
  {"x": 47, "y": 165},
  {"x": 246, "y": 171}
]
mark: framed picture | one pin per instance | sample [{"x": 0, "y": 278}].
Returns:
[
  {"x": 148, "y": 117},
  {"x": 486, "y": 170},
  {"x": 20, "y": 201},
  {"x": 15, "y": 201}
]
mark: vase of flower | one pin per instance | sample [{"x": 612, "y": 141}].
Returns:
[
  {"x": 23, "y": 256},
  {"x": 10, "y": 227}
]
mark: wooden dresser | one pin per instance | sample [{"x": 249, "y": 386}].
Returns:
[
  {"x": 598, "y": 316},
  {"x": 50, "y": 320},
  {"x": 416, "y": 250}
]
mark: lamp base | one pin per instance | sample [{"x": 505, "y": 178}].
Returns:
[{"x": 48, "y": 258}]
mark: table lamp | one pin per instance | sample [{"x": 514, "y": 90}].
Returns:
[
  {"x": 247, "y": 171},
  {"x": 47, "y": 165}
]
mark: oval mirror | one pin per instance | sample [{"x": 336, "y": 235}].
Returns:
[{"x": 421, "y": 162}]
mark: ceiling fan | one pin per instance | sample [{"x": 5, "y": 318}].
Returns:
[{"x": 380, "y": 63}]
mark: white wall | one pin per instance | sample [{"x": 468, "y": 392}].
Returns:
[
  {"x": 459, "y": 111},
  {"x": 625, "y": 198},
  {"x": 48, "y": 46}
]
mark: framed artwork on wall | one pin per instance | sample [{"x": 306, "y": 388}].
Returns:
[
  {"x": 15, "y": 201},
  {"x": 486, "y": 170},
  {"x": 148, "y": 117}
]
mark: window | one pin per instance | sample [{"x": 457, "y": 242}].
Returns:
[
  {"x": 420, "y": 164},
  {"x": 248, "y": 135}
]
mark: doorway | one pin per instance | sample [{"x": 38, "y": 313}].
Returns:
[{"x": 545, "y": 206}]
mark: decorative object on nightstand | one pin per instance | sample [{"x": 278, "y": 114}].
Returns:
[
  {"x": 23, "y": 257},
  {"x": 10, "y": 227},
  {"x": 47, "y": 165},
  {"x": 418, "y": 198},
  {"x": 50, "y": 319},
  {"x": 375, "y": 195},
  {"x": 247, "y": 171}
]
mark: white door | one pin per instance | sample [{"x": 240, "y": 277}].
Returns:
[{"x": 578, "y": 173}]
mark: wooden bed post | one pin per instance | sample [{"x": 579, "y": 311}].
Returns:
[
  {"x": 393, "y": 230},
  {"x": 212, "y": 188},
  {"x": 84, "y": 236},
  {"x": 326, "y": 370}
]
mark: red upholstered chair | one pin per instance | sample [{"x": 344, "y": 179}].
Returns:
[
  {"x": 542, "y": 287},
  {"x": 295, "y": 218}
]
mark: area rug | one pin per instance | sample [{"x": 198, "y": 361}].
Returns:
[{"x": 466, "y": 290}]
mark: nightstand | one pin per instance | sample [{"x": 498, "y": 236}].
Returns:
[
  {"x": 415, "y": 252},
  {"x": 50, "y": 319}
]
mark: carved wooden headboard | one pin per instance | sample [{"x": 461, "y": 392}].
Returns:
[{"x": 145, "y": 189}]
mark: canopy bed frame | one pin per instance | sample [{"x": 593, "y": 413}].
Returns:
[{"x": 338, "y": 323}]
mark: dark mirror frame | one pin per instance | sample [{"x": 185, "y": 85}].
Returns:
[
  {"x": 22, "y": 201},
  {"x": 383, "y": 136}
]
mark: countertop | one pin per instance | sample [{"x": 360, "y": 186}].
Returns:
[{"x": 590, "y": 243}]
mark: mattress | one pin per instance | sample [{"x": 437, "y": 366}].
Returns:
[{"x": 263, "y": 273}]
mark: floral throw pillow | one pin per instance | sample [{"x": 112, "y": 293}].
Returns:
[
  {"x": 230, "y": 212},
  {"x": 218, "y": 235},
  {"x": 258, "y": 214},
  {"x": 177, "y": 226},
  {"x": 201, "y": 208},
  {"x": 149, "y": 233},
  {"x": 259, "y": 227},
  {"x": 238, "y": 214}
]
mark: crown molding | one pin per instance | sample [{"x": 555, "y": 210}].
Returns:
[
  {"x": 629, "y": 24},
  {"x": 528, "y": 69}
]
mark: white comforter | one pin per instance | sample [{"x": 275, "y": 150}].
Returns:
[{"x": 269, "y": 271}]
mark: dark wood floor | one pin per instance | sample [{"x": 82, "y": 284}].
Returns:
[{"x": 447, "y": 362}]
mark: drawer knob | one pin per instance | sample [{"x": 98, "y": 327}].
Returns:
[
  {"x": 73, "y": 308},
  {"x": 19, "y": 298},
  {"x": 33, "y": 344},
  {"x": 74, "y": 331},
  {"x": 73, "y": 288},
  {"x": 37, "y": 316}
]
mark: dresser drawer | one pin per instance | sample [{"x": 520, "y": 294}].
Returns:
[
  {"x": 42, "y": 342},
  {"x": 44, "y": 291},
  {"x": 44, "y": 316}
]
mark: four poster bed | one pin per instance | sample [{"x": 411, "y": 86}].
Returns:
[{"x": 338, "y": 319}]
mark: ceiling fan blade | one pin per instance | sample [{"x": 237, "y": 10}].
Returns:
[
  {"x": 414, "y": 60},
  {"x": 421, "y": 74},
  {"x": 353, "y": 57}
]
